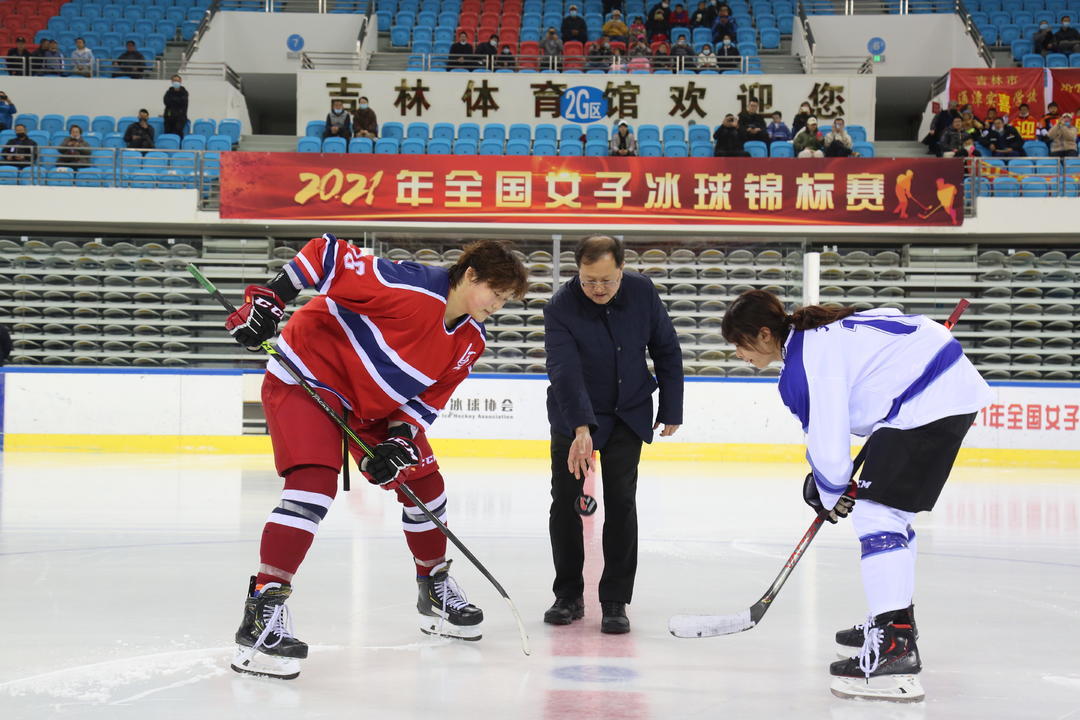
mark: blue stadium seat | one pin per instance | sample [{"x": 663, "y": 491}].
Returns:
[
  {"x": 1036, "y": 187},
  {"x": 648, "y": 134},
  {"x": 193, "y": 142},
  {"x": 1008, "y": 33},
  {"x": 864, "y": 149},
  {"x": 1020, "y": 48},
  {"x": 392, "y": 130},
  {"x": 544, "y": 147},
  {"x": 82, "y": 121},
  {"x": 570, "y": 133},
  {"x": 113, "y": 140},
  {"x": 649, "y": 148},
  {"x": 411, "y": 146},
  {"x": 491, "y": 147},
  {"x": 400, "y": 36},
  {"x": 676, "y": 149},
  {"x": 417, "y": 131},
  {"x": 308, "y": 144},
  {"x": 570, "y": 148},
  {"x": 701, "y": 149},
  {"x": 520, "y": 131},
  {"x": 517, "y": 147},
  {"x": 699, "y": 134},
  {"x": 596, "y": 149},
  {"x": 61, "y": 176},
  {"x": 314, "y": 128},
  {"x": 770, "y": 38},
  {"x": 756, "y": 148},
  {"x": 468, "y": 131},
  {"x": 596, "y": 133},
  {"x": 30, "y": 120},
  {"x": 361, "y": 145},
  {"x": 545, "y": 132},
  {"x": 39, "y": 136},
  {"x": 444, "y": 131},
  {"x": 857, "y": 133},
  {"x": 27, "y": 175},
  {"x": 674, "y": 133},
  {"x": 168, "y": 141},
  {"x": 88, "y": 177},
  {"x": 230, "y": 127},
  {"x": 1032, "y": 60},
  {"x": 465, "y": 146},
  {"x": 220, "y": 143},
  {"x": 386, "y": 146},
  {"x": 334, "y": 145},
  {"x": 494, "y": 132},
  {"x": 1057, "y": 60},
  {"x": 1036, "y": 148},
  {"x": 1074, "y": 60},
  {"x": 439, "y": 146}
]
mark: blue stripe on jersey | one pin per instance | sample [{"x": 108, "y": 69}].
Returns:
[
  {"x": 794, "y": 390},
  {"x": 421, "y": 519},
  {"x": 401, "y": 382},
  {"x": 877, "y": 543},
  {"x": 290, "y": 513},
  {"x": 945, "y": 358},
  {"x": 426, "y": 413},
  {"x": 910, "y": 533},
  {"x": 298, "y": 272},
  {"x": 297, "y": 505},
  {"x": 329, "y": 256},
  {"x": 424, "y": 278},
  {"x": 823, "y": 484}
]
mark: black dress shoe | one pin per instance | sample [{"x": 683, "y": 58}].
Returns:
[
  {"x": 615, "y": 621},
  {"x": 565, "y": 611}
]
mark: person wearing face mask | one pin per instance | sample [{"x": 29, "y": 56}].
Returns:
[
  {"x": 176, "y": 105},
  {"x": 487, "y": 51},
  {"x": 21, "y": 149},
  {"x": 461, "y": 53},
  {"x": 724, "y": 25},
  {"x": 728, "y": 54},
  {"x": 615, "y": 28},
  {"x": 82, "y": 59},
  {"x": 658, "y": 26},
  {"x": 505, "y": 59},
  {"x": 574, "y": 28},
  {"x": 679, "y": 17},
  {"x": 365, "y": 123},
  {"x": 799, "y": 121},
  {"x": 338, "y": 122},
  {"x": 18, "y": 58},
  {"x": 140, "y": 134},
  {"x": 1063, "y": 137},
  {"x": 1067, "y": 39},
  {"x": 1043, "y": 40},
  {"x": 552, "y": 47},
  {"x": 706, "y": 59},
  {"x": 74, "y": 151},
  {"x": 600, "y": 54},
  {"x": 7, "y": 111},
  {"x": 684, "y": 50}
]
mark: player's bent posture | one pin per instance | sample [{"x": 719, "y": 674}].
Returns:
[
  {"x": 904, "y": 381},
  {"x": 386, "y": 343}
]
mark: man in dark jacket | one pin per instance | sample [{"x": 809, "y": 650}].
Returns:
[
  {"x": 1003, "y": 140},
  {"x": 18, "y": 58},
  {"x": 131, "y": 63},
  {"x": 176, "y": 103},
  {"x": 941, "y": 122},
  {"x": 573, "y": 27},
  {"x": 727, "y": 140},
  {"x": 1067, "y": 39},
  {"x": 140, "y": 135},
  {"x": 598, "y": 328},
  {"x": 752, "y": 124},
  {"x": 461, "y": 53},
  {"x": 20, "y": 150},
  {"x": 338, "y": 122}
]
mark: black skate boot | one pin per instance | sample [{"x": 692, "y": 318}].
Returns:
[
  {"x": 887, "y": 665},
  {"x": 444, "y": 609},
  {"x": 265, "y": 643},
  {"x": 850, "y": 640}
]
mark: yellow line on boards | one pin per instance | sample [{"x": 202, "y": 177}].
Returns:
[{"x": 534, "y": 449}]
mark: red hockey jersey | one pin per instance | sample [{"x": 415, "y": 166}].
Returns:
[{"x": 375, "y": 335}]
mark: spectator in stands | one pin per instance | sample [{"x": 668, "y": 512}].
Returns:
[
  {"x": 18, "y": 58},
  {"x": 618, "y": 61},
  {"x": 600, "y": 54},
  {"x": 704, "y": 16},
  {"x": 615, "y": 28},
  {"x": 809, "y": 143},
  {"x": 953, "y": 139},
  {"x": 706, "y": 59},
  {"x": 752, "y": 124},
  {"x": 505, "y": 59},
  {"x": 461, "y": 52},
  {"x": 727, "y": 141},
  {"x": 338, "y": 122},
  {"x": 637, "y": 28},
  {"x": 661, "y": 56},
  {"x": 611, "y": 6},
  {"x": 1049, "y": 120},
  {"x": 552, "y": 46},
  {"x": 82, "y": 59},
  {"x": 21, "y": 149},
  {"x": 658, "y": 26},
  {"x": 1025, "y": 123},
  {"x": 1043, "y": 39},
  {"x": 969, "y": 149},
  {"x": 638, "y": 56},
  {"x": 727, "y": 54},
  {"x": 487, "y": 52},
  {"x": 131, "y": 62},
  {"x": 574, "y": 28},
  {"x": 991, "y": 116},
  {"x": 176, "y": 104},
  {"x": 679, "y": 17},
  {"x": 941, "y": 122},
  {"x": 970, "y": 124},
  {"x": 684, "y": 50},
  {"x": 1063, "y": 137},
  {"x": 623, "y": 142},
  {"x": 139, "y": 134},
  {"x": 724, "y": 25},
  {"x": 52, "y": 62},
  {"x": 1067, "y": 38},
  {"x": 837, "y": 141},
  {"x": 777, "y": 130},
  {"x": 74, "y": 151},
  {"x": 799, "y": 122},
  {"x": 365, "y": 123},
  {"x": 7, "y": 111},
  {"x": 1003, "y": 141}
]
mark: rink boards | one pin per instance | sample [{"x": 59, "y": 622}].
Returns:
[{"x": 730, "y": 419}]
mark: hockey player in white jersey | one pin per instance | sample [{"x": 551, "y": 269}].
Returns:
[{"x": 903, "y": 382}]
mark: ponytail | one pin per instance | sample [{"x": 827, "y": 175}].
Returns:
[{"x": 756, "y": 309}]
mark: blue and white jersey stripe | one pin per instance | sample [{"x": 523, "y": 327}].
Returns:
[{"x": 430, "y": 281}]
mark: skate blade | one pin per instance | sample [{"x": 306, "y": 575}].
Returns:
[
  {"x": 891, "y": 688},
  {"x": 440, "y": 628},
  {"x": 263, "y": 665}
]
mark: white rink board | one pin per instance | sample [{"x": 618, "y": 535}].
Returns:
[
  {"x": 654, "y": 101},
  {"x": 1043, "y": 416}
]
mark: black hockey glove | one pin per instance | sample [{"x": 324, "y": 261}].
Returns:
[
  {"x": 257, "y": 319},
  {"x": 392, "y": 455},
  {"x": 843, "y": 506}
]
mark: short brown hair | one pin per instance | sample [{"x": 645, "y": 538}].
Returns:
[
  {"x": 593, "y": 247},
  {"x": 494, "y": 263}
]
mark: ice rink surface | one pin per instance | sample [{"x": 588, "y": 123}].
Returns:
[{"x": 123, "y": 579}]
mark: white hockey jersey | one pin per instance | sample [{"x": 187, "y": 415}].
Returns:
[{"x": 877, "y": 368}]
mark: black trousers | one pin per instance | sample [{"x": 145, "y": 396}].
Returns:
[
  {"x": 175, "y": 124},
  {"x": 619, "y": 464}
]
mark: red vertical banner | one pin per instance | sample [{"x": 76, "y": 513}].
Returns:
[
  {"x": 576, "y": 190},
  {"x": 1003, "y": 89},
  {"x": 1066, "y": 88}
]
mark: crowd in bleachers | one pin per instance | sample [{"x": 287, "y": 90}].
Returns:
[
  {"x": 958, "y": 132},
  {"x": 1039, "y": 33},
  {"x": 595, "y": 36}
]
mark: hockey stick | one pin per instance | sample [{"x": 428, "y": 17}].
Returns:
[
  {"x": 697, "y": 626},
  {"x": 298, "y": 377}
]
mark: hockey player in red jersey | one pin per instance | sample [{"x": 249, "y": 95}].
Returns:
[{"x": 386, "y": 344}]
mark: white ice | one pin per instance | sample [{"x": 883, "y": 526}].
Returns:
[{"x": 122, "y": 579}]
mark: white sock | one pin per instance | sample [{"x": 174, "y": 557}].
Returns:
[{"x": 888, "y": 558}]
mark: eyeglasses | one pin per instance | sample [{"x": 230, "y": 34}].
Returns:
[{"x": 600, "y": 283}]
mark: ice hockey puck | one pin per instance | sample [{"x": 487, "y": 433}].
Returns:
[{"x": 585, "y": 505}]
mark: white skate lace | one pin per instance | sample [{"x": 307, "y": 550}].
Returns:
[
  {"x": 278, "y": 622},
  {"x": 872, "y": 639},
  {"x": 450, "y": 594}
]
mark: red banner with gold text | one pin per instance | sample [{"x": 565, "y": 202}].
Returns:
[
  {"x": 1003, "y": 89},
  {"x": 1066, "y": 89},
  {"x": 591, "y": 190}
]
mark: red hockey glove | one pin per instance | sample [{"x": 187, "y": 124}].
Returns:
[{"x": 257, "y": 319}]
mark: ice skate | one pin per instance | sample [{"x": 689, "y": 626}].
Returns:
[
  {"x": 887, "y": 665},
  {"x": 264, "y": 642},
  {"x": 849, "y": 641},
  {"x": 444, "y": 609}
]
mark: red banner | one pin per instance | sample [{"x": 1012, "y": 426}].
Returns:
[
  {"x": 1066, "y": 83},
  {"x": 575, "y": 190},
  {"x": 1003, "y": 89}
]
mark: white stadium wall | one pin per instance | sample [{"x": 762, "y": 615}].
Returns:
[
  {"x": 656, "y": 99},
  {"x": 207, "y": 97},
  {"x": 47, "y": 409}
]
